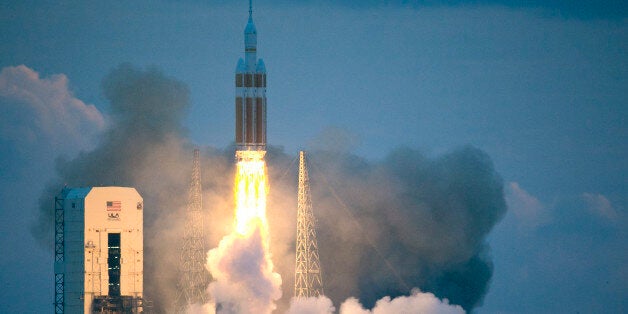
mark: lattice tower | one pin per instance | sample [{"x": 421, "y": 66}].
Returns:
[
  {"x": 308, "y": 280},
  {"x": 193, "y": 278}
]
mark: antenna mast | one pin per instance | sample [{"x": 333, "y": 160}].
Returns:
[{"x": 308, "y": 280}]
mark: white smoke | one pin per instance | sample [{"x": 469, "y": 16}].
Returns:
[
  {"x": 416, "y": 303},
  {"x": 201, "y": 308},
  {"x": 243, "y": 272},
  {"x": 311, "y": 305}
]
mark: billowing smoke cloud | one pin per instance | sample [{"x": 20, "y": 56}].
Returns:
[
  {"x": 416, "y": 303},
  {"x": 243, "y": 272},
  {"x": 427, "y": 219},
  {"x": 407, "y": 221},
  {"x": 311, "y": 305}
]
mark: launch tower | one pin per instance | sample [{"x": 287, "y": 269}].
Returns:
[
  {"x": 193, "y": 277},
  {"x": 250, "y": 98},
  {"x": 308, "y": 280}
]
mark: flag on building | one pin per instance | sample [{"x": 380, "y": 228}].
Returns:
[{"x": 114, "y": 206}]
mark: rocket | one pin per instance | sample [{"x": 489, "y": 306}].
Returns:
[{"x": 250, "y": 98}]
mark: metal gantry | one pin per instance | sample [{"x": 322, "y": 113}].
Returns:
[
  {"x": 308, "y": 280},
  {"x": 193, "y": 278},
  {"x": 59, "y": 252}
]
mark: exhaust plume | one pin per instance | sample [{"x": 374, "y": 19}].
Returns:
[{"x": 241, "y": 265}]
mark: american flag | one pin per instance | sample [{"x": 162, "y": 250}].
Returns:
[{"x": 114, "y": 206}]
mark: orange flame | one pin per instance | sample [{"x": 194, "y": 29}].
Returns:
[{"x": 251, "y": 188}]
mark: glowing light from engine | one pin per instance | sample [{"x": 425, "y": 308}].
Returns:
[{"x": 251, "y": 188}]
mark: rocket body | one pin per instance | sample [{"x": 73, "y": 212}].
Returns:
[{"x": 250, "y": 98}]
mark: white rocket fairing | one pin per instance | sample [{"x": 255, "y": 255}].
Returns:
[{"x": 250, "y": 102}]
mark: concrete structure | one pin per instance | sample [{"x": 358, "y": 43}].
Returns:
[
  {"x": 250, "y": 100},
  {"x": 99, "y": 250}
]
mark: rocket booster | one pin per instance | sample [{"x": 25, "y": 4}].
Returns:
[{"x": 250, "y": 100}]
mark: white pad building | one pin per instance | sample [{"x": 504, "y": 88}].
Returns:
[{"x": 99, "y": 250}]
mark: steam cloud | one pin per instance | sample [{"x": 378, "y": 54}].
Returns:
[
  {"x": 311, "y": 305},
  {"x": 384, "y": 227},
  {"x": 244, "y": 278},
  {"x": 417, "y": 302}
]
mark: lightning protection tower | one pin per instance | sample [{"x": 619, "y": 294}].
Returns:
[
  {"x": 193, "y": 278},
  {"x": 308, "y": 280}
]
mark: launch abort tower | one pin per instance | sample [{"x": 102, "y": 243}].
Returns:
[{"x": 250, "y": 100}]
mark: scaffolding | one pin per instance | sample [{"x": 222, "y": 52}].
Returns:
[
  {"x": 59, "y": 251},
  {"x": 308, "y": 280}
]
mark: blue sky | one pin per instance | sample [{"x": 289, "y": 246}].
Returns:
[{"x": 539, "y": 86}]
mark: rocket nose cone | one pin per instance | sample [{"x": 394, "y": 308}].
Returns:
[
  {"x": 250, "y": 27},
  {"x": 261, "y": 67},
  {"x": 241, "y": 67}
]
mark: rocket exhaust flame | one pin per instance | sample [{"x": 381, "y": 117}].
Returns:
[
  {"x": 241, "y": 265},
  {"x": 251, "y": 188}
]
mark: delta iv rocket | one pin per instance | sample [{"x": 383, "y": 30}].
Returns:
[{"x": 250, "y": 100}]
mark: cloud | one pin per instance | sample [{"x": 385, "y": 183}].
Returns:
[
  {"x": 599, "y": 205},
  {"x": 41, "y": 117},
  {"x": 529, "y": 211},
  {"x": 416, "y": 303}
]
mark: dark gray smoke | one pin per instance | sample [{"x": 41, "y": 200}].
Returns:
[{"x": 407, "y": 221}]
